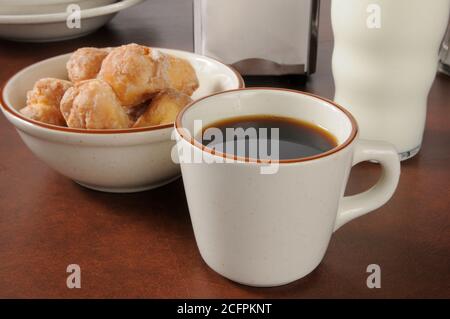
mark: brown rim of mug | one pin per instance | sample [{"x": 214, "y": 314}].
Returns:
[
  {"x": 186, "y": 136},
  {"x": 10, "y": 110}
]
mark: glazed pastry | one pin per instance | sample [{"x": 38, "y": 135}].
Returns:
[
  {"x": 44, "y": 113},
  {"x": 44, "y": 99},
  {"x": 112, "y": 89},
  {"x": 93, "y": 104},
  {"x": 134, "y": 72},
  {"x": 48, "y": 91},
  {"x": 85, "y": 63},
  {"x": 163, "y": 109},
  {"x": 180, "y": 75}
]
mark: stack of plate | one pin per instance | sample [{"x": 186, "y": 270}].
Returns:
[{"x": 53, "y": 20}]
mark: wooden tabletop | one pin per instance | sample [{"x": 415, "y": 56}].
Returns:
[{"x": 142, "y": 244}]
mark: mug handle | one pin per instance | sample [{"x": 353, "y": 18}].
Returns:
[{"x": 357, "y": 205}]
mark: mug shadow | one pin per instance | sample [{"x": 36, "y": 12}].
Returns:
[{"x": 297, "y": 288}]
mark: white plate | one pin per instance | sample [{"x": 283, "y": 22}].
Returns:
[
  {"x": 53, "y": 27},
  {"x": 18, "y": 7},
  {"x": 108, "y": 160}
]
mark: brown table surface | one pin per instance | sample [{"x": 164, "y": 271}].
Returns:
[{"x": 142, "y": 244}]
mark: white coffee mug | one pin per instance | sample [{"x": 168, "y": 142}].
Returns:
[
  {"x": 385, "y": 59},
  {"x": 271, "y": 229}
]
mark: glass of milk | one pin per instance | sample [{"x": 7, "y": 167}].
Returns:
[{"x": 385, "y": 59}]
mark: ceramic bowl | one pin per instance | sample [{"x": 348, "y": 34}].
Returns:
[
  {"x": 54, "y": 26},
  {"x": 126, "y": 160},
  {"x": 46, "y": 6}
]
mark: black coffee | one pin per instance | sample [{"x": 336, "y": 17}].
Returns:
[{"x": 267, "y": 137}]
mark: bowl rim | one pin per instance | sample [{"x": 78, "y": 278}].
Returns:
[
  {"x": 15, "y": 113},
  {"x": 62, "y": 16}
]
